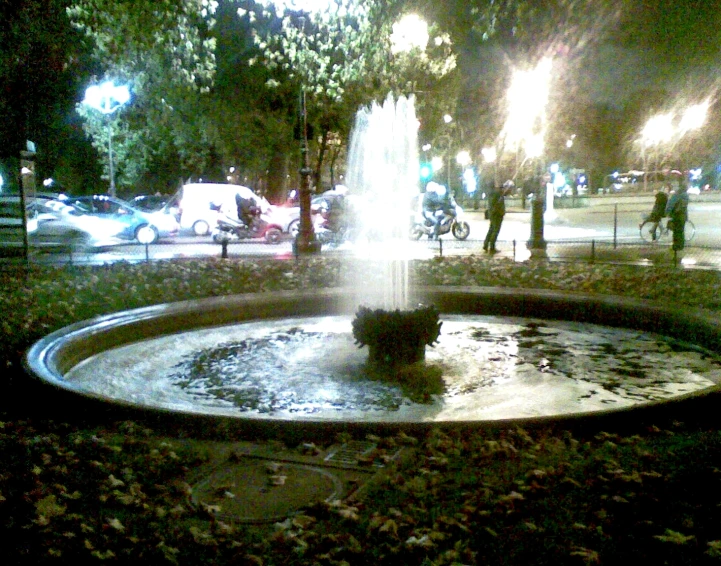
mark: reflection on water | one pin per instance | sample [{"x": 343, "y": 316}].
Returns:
[{"x": 482, "y": 368}]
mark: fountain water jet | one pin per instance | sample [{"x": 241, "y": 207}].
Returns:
[{"x": 383, "y": 176}]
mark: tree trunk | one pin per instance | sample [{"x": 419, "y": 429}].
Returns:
[{"x": 277, "y": 188}]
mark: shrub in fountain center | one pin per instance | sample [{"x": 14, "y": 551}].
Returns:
[{"x": 396, "y": 338}]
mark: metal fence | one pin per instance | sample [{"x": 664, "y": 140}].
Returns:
[
  {"x": 581, "y": 250},
  {"x": 617, "y": 218}
]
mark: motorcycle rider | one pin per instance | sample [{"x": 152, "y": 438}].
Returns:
[
  {"x": 437, "y": 203},
  {"x": 247, "y": 210}
]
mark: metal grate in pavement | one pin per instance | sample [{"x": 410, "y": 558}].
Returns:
[{"x": 350, "y": 453}]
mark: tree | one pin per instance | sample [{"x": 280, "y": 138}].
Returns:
[
  {"x": 341, "y": 58},
  {"x": 166, "y": 53},
  {"x": 42, "y": 62}
]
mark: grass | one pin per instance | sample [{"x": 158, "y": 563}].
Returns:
[{"x": 85, "y": 488}]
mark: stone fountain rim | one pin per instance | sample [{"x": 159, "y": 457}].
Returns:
[{"x": 48, "y": 358}]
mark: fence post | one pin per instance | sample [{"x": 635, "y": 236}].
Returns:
[
  {"x": 440, "y": 247},
  {"x": 615, "y": 224},
  {"x": 514, "y": 250},
  {"x": 224, "y": 249},
  {"x": 593, "y": 251}
]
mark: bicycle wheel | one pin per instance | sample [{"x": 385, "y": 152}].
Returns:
[
  {"x": 689, "y": 231},
  {"x": 651, "y": 231}
]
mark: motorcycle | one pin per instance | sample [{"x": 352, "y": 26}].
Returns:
[
  {"x": 329, "y": 228},
  {"x": 229, "y": 229},
  {"x": 450, "y": 221}
]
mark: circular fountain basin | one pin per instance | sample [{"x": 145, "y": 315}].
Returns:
[{"x": 289, "y": 357}]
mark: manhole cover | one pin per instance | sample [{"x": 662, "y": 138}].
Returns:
[{"x": 257, "y": 490}]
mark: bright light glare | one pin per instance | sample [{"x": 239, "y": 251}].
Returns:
[
  {"x": 694, "y": 117},
  {"x": 463, "y": 158},
  {"x": 437, "y": 163},
  {"x": 489, "y": 154},
  {"x": 411, "y": 32},
  {"x": 534, "y": 146},
  {"x": 107, "y": 97},
  {"x": 658, "y": 129},
  {"x": 526, "y": 99},
  {"x": 447, "y": 118}
]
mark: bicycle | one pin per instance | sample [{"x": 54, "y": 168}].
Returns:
[{"x": 652, "y": 231}]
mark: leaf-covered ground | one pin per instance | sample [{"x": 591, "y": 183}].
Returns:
[{"x": 84, "y": 489}]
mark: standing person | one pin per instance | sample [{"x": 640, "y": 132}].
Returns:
[
  {"x": 496, "y": 212},
  {"x": 677, "y": 212}
]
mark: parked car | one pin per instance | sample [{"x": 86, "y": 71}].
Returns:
[{"x": 146, "y": 227}]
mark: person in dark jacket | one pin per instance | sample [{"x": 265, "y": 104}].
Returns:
[
  {"x": 247, "y": 209},
  {"x": 677, "y": 212},
  {"x": 436, "y": 203},
  {"x": 658, "y": 211},
  {"x": 496, "y": 212}
]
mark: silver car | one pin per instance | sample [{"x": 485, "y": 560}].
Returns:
[{"x": 51, "y": 226}]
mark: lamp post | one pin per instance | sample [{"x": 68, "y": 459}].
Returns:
[
  {"x": 305, "y": 241},
  {"x": 107, "y": 98}
]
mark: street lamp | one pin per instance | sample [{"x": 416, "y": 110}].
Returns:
[{"x": 107, "y": 98}]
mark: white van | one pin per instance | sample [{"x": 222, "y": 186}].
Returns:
[{"x": 196, "y": 198}]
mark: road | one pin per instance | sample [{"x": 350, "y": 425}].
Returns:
[{"x": 566, "y": 225}]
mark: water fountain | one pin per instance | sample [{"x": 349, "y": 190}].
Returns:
[{"x": 291, "y": 357}]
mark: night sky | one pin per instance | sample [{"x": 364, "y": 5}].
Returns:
[{"x": 673, "y": 45}]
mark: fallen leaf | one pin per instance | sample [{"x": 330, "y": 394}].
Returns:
[
  {"x": 674, "y": 537},
  {"x": 49, "y": 507},
  {"x": 115, "y": 524}
]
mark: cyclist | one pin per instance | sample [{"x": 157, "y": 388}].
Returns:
[{"x": 657, "y": 212}]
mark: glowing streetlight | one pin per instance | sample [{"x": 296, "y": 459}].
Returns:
[
  {"x": 693, "y": 117},
  {"x": 107, "y": 98},
  {"x": 409, "y": 33},
  {"x": 526, "y": 101},
  {"x": 658, "y": 129}
]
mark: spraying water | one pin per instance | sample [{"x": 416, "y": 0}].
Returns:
[{"x": 382, "y": 176}]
